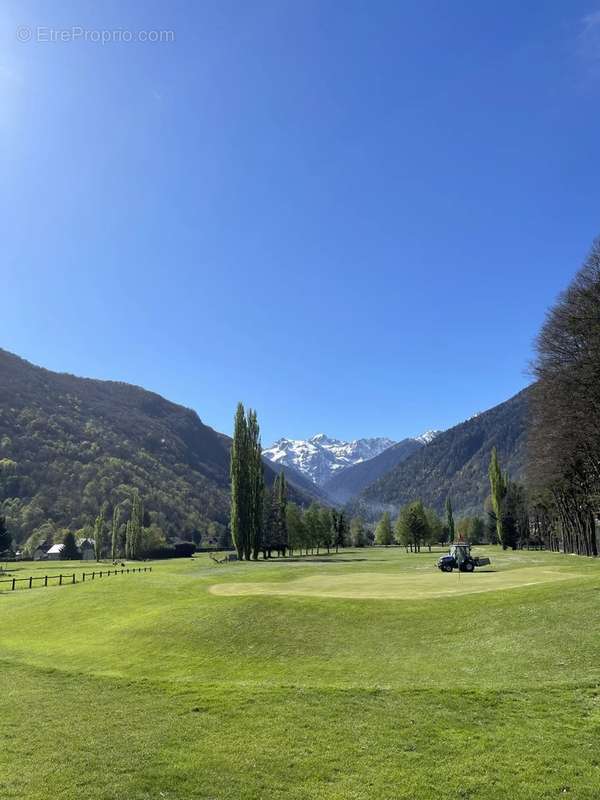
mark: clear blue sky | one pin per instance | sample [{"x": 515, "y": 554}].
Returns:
[{"x": 350, "y": 215}]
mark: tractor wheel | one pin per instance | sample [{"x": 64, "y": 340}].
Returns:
[
  {"x": 447, "y": 567},
  {"x": 469, "y": 566}
]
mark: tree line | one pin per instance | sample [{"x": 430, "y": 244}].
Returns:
[
  {"x": 418, "y": 526},
  {"x": 564, "y": 442}
]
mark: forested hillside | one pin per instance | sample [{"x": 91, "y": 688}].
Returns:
[
  {"x": 455, "y": 463},
  {"x": 70, "y": 446}
]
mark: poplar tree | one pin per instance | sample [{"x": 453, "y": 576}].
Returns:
[
  {"x": 98, "y": 531},
  {"x": 128, "y": 539},
  {"x": 282, "y": 531},
  {"x": 239, "y": 488},
  {"x": 498, "y": 488},
  {"x": 133, "y": 535},
  {"x": 449, "y": 520},
  {"x": 247, "y": 484},
  {"x": 340, "y": 529},
  {"x": 256, "y": 483},
  {"x": 114, "y": 542}
]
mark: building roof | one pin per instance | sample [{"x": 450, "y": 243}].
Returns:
[{"x": 56, "y": 548}]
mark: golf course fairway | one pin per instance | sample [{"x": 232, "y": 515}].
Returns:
[{"x": 366, "y": 675}]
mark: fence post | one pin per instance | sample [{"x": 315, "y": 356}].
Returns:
[
  {"x": 13, "y": 586},
  {"x": 45, "y": 580},
  {"x": 60, "y": 579},
  {"x": 73, "y": 577},
  {"x": 30, "y": 582},
  {"x": 93, "y": 574},
  {"x": 83, "y": 577}
]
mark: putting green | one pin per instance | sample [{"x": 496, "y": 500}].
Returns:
[{"x": 369, "y": 585}]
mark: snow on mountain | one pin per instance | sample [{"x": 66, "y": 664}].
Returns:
[
  {"x": 321, "y": 457},
  {"x": 427, "y": 437}
]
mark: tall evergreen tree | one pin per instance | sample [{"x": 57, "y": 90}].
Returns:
[{"x": 449, "y": 520}]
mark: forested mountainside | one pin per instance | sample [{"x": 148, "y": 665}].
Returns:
[
  {"x": 455, "y": 463},
  {"x": 69, "y": 446},
  {"x": 349, "y": 482}
]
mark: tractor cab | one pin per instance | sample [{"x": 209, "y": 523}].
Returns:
[{"x": 459, "y": 557}]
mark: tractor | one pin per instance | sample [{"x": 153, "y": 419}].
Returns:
[{"x": 460, "y": 558}]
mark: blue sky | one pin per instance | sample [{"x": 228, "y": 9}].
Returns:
[{"x": 350, "y": 215}]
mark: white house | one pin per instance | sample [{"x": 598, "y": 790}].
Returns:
[{"x": 54, "y": 552}]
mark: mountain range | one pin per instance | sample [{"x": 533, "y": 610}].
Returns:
[
  {"x": 319, "y": 458},
  {"x": 70, "y": 446}
]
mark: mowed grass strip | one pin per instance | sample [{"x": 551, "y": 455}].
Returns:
[
  {"x": 161, "y": 688},
  {"x": 401, "y": 587}
]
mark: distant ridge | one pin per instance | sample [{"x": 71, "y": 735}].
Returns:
[{"x": 454, "y": 463}]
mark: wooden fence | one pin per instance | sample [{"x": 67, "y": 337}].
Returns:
[{"x": 71, "y": 578}]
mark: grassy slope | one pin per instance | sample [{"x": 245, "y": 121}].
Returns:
[{"x": 151, "y": 686}]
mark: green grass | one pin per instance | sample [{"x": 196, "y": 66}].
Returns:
[{"x": 366, "y": 675}]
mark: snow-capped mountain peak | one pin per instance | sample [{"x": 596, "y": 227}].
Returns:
[
  {"x": 427, "y": 437},
  {"x": 320, "y": 456}
]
